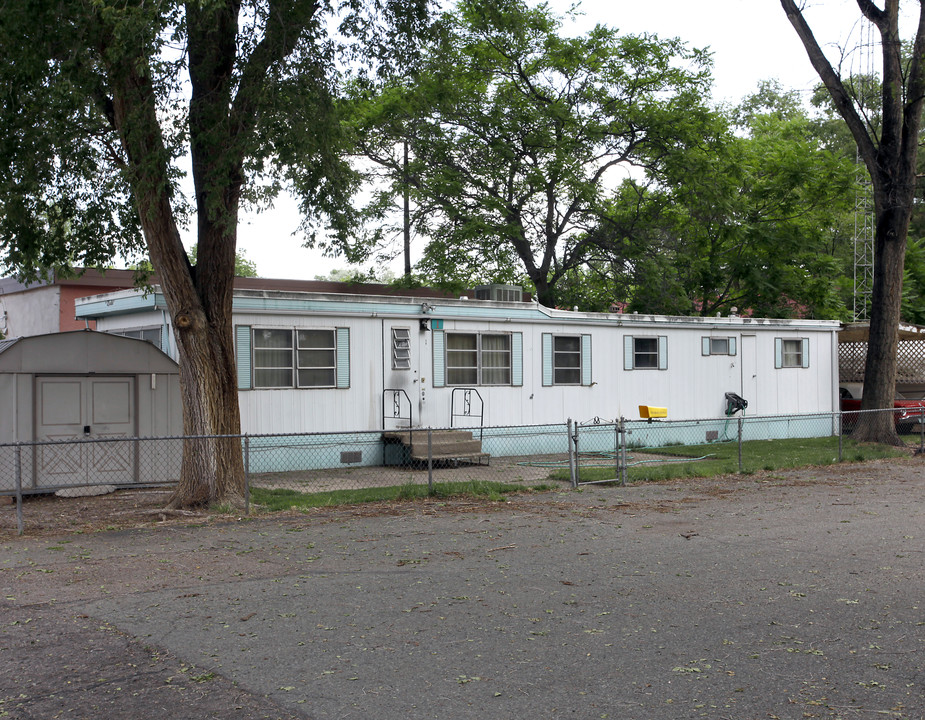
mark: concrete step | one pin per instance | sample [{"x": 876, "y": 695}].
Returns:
[
  {"x": 449, "y": 448},
  {"x": 476, "y": 458},
  {"x": 444, "y": 444},
  {"x": 405, "y": 437}
]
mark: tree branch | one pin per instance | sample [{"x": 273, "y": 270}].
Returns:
[{"x": 833, "y": 82}]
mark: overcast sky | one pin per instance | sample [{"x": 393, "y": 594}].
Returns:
[{"x": 751, "y": 40}]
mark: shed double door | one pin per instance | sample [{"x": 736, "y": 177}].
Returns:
[{"x": 85, "y": 408}]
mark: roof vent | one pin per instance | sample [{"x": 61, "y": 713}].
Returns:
[{"x": 500, "y": 293}]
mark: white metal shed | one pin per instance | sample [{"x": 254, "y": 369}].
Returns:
[{"x": 84, "y": 385}]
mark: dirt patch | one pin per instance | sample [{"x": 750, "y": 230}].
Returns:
[
  {"x": 50, "y": 514},
  {"x": 145, "y": 508}
]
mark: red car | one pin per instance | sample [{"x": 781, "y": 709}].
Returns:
[{"x": 908, "y": 415}]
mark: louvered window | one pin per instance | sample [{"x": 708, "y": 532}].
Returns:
[{"x": 401, "y": 349}]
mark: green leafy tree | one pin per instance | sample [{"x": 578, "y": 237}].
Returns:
[
  {"x": 888, "y": 146},
  {"x": 514, "y": 132},
  {"x": 750, "y": 219},
  {"x": 102, "y": 103}
]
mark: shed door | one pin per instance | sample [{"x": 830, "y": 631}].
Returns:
[{"x": 85, "y": 408}]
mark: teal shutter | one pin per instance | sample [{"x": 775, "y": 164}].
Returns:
[
  {"x": 547, "y": 359},
  {"x": 732, "y": 346},
  {"x": 662, "y": 352},
  {"x": 165, "y": 339},
  {"x": 517, "y": 359},
  {"x": 439, "y": 358},
  {"x": 242, "y": 353},
  {"x": 805, "y": 352},
  {"x": 627, "y": 352},
  {"x": 704, "y": 346},
  {"x": 343, "y": 358},
  {"x": 778, "y": 353},
  {"x": 586, "y": 360}
]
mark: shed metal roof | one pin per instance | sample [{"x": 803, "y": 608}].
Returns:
[{"x": 82, "y": 352}]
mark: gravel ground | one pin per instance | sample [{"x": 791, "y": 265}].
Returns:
[{"x": 778, "y": 595}]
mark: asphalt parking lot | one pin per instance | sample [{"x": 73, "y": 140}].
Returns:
[{"x": 787, "y": 595}]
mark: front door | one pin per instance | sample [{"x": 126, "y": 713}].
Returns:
[
  {"x": 85, "y": 408},
  {"x": 401, "y": 399},
  {"x": 749, "y": 366}
]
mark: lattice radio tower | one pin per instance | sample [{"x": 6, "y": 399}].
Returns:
[{"x": 864, "y": 201}]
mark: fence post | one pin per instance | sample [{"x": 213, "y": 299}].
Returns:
[
  {"x": 622, "y": 453},
  {"x": 922, "y": 430},
  {"x": 740, "y": 443},
  {"x": 572, "y": 460},
  {"x": 430, "y": 461},
  {"x": 617, "y": 437},
  {"x": 841, "y": 429},
  {"x": 18, "y": 473},
  {"x": 247, "y": 475}
]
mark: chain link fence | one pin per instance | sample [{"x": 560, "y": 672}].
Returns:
[{"x": 571, "y": 454}]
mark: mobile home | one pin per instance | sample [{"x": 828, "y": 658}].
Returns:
[{"x": 345, "y": 362}]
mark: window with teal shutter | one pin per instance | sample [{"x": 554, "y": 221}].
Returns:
[
  {"x": 243, "y": 355},
  {"x": 439, "y": 358},
  {"x": 586, "y": 360},
  {"x": 547, "y": 359},
  {"x": 628, "y": 352},
  {"x": 645, "y": 353},
  {"x": 517, "y": 359},
  {"x": 343, "y": 358},
  {"x": 718, "y": 346},
  {"x": 791, "y": 353}
]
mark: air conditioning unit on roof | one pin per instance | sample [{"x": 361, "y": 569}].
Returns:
[{"x": 500, "y": 293}]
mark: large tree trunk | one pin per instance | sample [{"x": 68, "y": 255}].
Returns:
[
  {"x": 890, "y": 157},
  {"x": 199, "y": 303},
  {"x": 882, "y": 343}
]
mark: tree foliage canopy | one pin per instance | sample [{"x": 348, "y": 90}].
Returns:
[
  {"x": 106, "y": 105},
  {"x": 753, "y": 218},
  {"x": 515, "y": 130}
]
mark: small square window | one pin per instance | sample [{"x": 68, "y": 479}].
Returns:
[
  {"x": 718, "y": 345},
  {"x": 792, "y": 353},
  {"x": 401, "y": 349},
  {"x": 645, "y": 352},
  {"x": 566, "y": 360}
]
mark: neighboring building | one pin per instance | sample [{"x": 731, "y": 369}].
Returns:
[
  {"x": 47, "y": 306},
  {"x": 349, "y": 361}
]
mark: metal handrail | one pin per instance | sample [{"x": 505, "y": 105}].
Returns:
[
  {"x": 467, "y": 407},
  {"x": 397, "y": 395}
]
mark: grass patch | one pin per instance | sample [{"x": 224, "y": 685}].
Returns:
[
  {"x": 287, "y": 498},
  {"x": 722, "y": 458}
]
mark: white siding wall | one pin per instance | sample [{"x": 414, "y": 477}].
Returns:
[
  {"x": 36, "y": 312},
  {"x": 692, "y": 386},
  {"x": 320, "y": 409}
]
